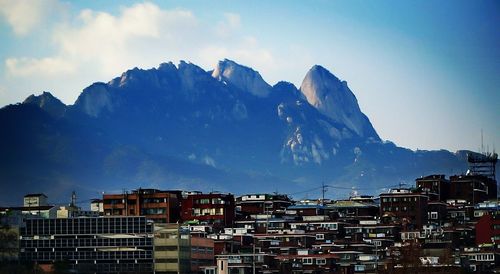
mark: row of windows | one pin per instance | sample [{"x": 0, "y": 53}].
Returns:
[
  {"x": 208, "y": 211},
  {"x": 154, "y": 200},
  {"x": 206, "y": 201},
  {"x": 98, "y": 242},
  {"x": 329, "y": 226},
  {"x": 482, "y": 257},
  {"x": 153, "y": 211},
  {"x": 201, "y": 249},
  {"x": 397, "y": 199},
  {"x": 86, "y": 226},
  {"x": 397, "y": 208},
  {"x": 310, "y": 261},
  {"x": 114, "y": 267},
  {"x": 32, "y": 255}
]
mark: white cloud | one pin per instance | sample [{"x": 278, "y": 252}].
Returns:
[
  {"x": 43, "y": 67},
  {"x": 25, "y": 15},
  {"x": 97, "y": 46},
  {"x": 228, "y": 25}
]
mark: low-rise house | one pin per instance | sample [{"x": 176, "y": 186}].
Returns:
[
  {"x": 306, "y": 261},
  {"x": 251, "y": 204}
]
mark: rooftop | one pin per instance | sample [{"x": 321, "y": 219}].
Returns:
[{"x": 35, "y": 195}]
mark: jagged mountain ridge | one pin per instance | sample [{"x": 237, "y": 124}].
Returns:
[{"x": 181, "y": 126}]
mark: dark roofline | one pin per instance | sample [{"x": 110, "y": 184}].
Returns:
[
  {"x": 35, "y": 195},
  {"x": 28, "y": 208}
]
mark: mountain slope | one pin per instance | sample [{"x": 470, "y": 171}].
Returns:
[
  {"x": 183, "y": 127},
  {"x": 334, "y": 99}
]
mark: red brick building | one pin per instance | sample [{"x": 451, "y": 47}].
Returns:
[
  {"x": 488, "y": 229},
  {"x": 472, "y": 188},
  {"x": 405, "y": 207},
  {"x": 202, "y": 253},
  {"x": 159, "y": 206},
  {"x": 437, "y": 187},
  {"x": 211, "y": 208}
]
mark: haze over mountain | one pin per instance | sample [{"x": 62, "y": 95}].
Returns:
[{"x": 183, "y": 127}]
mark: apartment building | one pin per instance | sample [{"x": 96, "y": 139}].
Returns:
[
  {"x": 209, "y": 208},
  {"x": 157, "y": 205},
  {"x": 405, "y": 207}
]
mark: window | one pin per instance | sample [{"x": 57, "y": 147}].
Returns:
[
  {"x": 153, "y": 211},
  {"x": 320, "y": 261},
  {"x": 308, "y": 261},
  {"x": 359, "y": 268},
  {"x": 320, "y": 236},
  {"x": 434, "y": 215},
  {"x": 218, "y": 201},
  {"x": 208, "y": 211},
  {"x": 204, "y": 201}
]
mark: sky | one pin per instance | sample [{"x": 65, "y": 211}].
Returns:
[{"x": 426, "y": 73}]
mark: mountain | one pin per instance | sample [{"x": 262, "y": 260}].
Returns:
[
  {"x": 47, "y": 102},
  {"x": 179, "y": 126},
  {"x": 334, "y": 99}
]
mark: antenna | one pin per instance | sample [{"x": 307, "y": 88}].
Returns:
[
  {"x": 482, "y": 144},
  {"x": 73, "y": 199}
]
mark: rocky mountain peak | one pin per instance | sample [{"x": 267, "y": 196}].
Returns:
[
  {"x": 242, "y": 77},
  {"x": 47, "y": 102},
  {"x": 333, "y": 98}
]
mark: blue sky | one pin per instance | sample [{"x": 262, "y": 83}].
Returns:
[{"x": 426, "y": 73}]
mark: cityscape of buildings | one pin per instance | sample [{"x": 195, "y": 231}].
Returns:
[{"x": 437, "y": 225}]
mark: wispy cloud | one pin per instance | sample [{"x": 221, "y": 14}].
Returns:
[
  {"x": 25, "y": 15},
  {"x": 49, "y": 66},
  {"x": 99, "y": 45}
]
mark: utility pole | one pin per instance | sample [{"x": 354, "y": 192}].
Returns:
[
  {"x": 323, "y": 191},
  {"x": 253, "y": 258}
]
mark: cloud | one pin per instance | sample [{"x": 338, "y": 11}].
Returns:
[
  {"x": 228, "y": 25},
  {"x": 31, "y": 66},
  {"x": 24, "y": 15},
  {"x": 97, "y": 46}
]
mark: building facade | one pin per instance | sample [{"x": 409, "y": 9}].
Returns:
[
  {"x": 159, "y": 206},
  {"x": 405, "y": 207},
  {"x": 211, "y": 208},
  {"x": 90, "y": 245},
  {"x": 437, "y": 187},
  {"x": 35, "y": 200}
]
